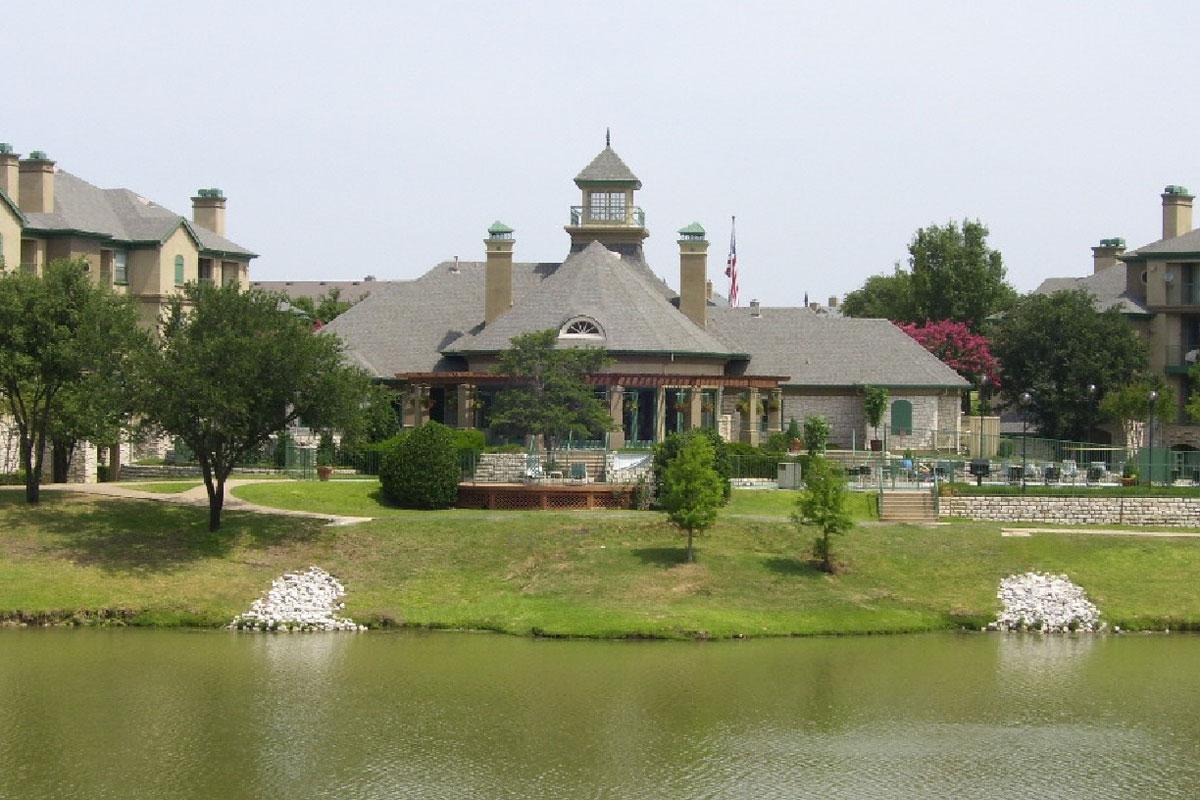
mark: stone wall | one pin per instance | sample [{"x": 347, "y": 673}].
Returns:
[
  {"x": 1159, "y": 511},
  {"x": 931, "y": 412}
]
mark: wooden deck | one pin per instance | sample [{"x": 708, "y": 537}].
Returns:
[{"x": 545, "y": 495}]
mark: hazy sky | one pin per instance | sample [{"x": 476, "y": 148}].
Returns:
[{"x": 355, "y": 138}]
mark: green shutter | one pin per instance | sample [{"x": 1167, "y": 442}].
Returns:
[
  {"x": 901, "y": 417},
  {"x": 179, "y": 270}
]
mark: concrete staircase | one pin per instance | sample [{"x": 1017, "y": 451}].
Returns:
[{"x": 907, "y": 507}]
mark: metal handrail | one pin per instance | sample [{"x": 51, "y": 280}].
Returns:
[{"x": 633, "y": 216}]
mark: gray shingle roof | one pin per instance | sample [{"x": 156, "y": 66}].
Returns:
[
  {"x": 825, "y": 350},
  {"x": 403, "y": 326},
  {"x": 601, "y": 285},
  {"x": 608, "y": 167},
  {"x": 1185, "y": 243},
  {"x": 1107, "y": 288},
  {"x": 121, "y": 215},
  {"x": 349, "y": 291}
]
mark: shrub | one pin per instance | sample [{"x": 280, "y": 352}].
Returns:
[
  {"x": 776, "y": 443},
  {"x": 816, "y": 435},
  {"x": 469, "y": 444},
  {"x": 666, "y": 451},
  {"x": 692, "y": 491},
  {"x": 422, "y": 469}
]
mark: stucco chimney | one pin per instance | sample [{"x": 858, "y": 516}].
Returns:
[
  {"x": 1177, "y": 211},
  {"x": 208, "y": 210},
  {"x": 497, "y": 293},
  {"x": 1105, "y": 254},
  {"x": 10, "y": 173},
  {"x": 754, "y": 309},
  {"x": 37, "y": 184},
  {"x": 833, "y": 301},
  {"x": 708, "y": 290},
  {"x": 693, "y": 274}
]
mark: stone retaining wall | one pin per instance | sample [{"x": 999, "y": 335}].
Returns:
[{"x": 1173, "y": 512}]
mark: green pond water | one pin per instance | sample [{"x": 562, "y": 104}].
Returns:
[{"x": 175, "y": 714}]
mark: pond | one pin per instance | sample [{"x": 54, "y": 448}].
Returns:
[{"x": 203, "y": 714}]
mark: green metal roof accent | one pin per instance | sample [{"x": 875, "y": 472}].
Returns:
[
  {"x": 695, "y": 230},
  {"x": 38, "y": 155},
  {"x": 497, "y": 228},
  {"x": 5, "y": 148},
  {"x": 1116, "y": 241},
  {"x": 1176, "y": 189},
  {"x": 213, "y": 193}
]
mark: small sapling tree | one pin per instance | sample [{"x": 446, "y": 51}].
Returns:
[
  {"x": 822, "y": 505},
  {"x": 816, "y": 435},
  {"x": 692, "y": 489},
  {"x": 875, "y": 400}
]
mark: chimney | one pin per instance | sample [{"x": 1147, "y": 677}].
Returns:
[
  {"x": 1177, "y": 211},
  {"x": 208, "y": 210},
  {"x": 36, "y": 191},
  {"x": 813, "y": 306},
  {"x": 497, "y": 293},
  {"x": 833, "y": 301},
  {"x": 10, "y": 172},
  {"x": 693, "y": 274},
  {"x": 754, "y": 309},
  {"x": 1105, "y": 255}
]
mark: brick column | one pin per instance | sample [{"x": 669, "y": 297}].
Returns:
[
  {"x": 660, "y": 414},
  {"x": 750, "y": 418},
  {"x": 695, "y": 415},
  {"x": 775, "y": 415},
  {"x": 466, "y": 405}
]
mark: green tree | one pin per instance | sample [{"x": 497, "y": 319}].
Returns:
[
  {"x": 422, "y": 470},
  {"x": 378, "y": 421},
  {"x": 666, "y": 451},
  {"x": 822, "y": 505},
  {"x": 816, "y": 434},
  {"x": 1054, "y": 346},
  {"x": 233, "y": 370},
  {"x": 67, "y": 347},
  {"x": 546, "y": 392},
  {"x": 956, "y": 276},
  {"x": 883, "y": 297},
  {"x": 692, "y": 489},
  {"x": 875, "y": 401},
  {"x": 1130, "y": 406},
  {"x": 326, "y": 308}
]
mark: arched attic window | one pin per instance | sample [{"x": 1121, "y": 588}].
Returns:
[{"x": 581, "y": 328}]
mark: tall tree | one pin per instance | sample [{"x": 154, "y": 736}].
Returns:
[
  {"x": 955, "y": 275},
  {"x": 969, "y": 354},
  {"x": 1055, "y": 346},
  {"x": 546, "y": 392},
  {"x": 1130, "y": 407},
  {"x": 952, "y": 275},
  {"x": 693, "y": 491},
  {"x": 883, "y": 297},
  {"x": 233, "y": 370},
  {"x": 326, "y": 308},
  {"x": 67, "y": 348}
]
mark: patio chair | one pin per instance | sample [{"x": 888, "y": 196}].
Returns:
[{"x": 533, "y": 468}]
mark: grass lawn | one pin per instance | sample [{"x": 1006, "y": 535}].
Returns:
[
  {"x": 601, "y": 574},
  {"x": 165, "y": 487}
]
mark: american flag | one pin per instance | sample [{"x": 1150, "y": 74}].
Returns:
[{"x": 731, "y": 263}]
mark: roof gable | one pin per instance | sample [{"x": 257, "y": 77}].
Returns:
[{"x": 1187, "y": 244}]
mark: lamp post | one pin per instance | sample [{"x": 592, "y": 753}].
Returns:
[
  {"x": 1026, "y": 399},
  {"x": 983, "y": 384},
  {"x": 1153, "y": 398}
]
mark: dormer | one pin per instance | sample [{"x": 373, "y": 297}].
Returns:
[{"x": 607, "y": 212}]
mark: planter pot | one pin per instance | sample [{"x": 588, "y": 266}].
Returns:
[
  {"x": 876, "y": 445},
  {"x": 795, "y": 446},
  {"x": 1129, "y": 481},
  {"x": 324, "y": 472}
]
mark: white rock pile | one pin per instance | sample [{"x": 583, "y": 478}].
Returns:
[
  {"x": 1046, "y": 603},
  {"x": 299, "y": 602}
]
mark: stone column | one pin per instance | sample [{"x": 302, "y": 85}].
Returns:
[
  {"x": 413, "y": 409},
  {"x": 750, "y": 418},
  {"x": 466, "y": 405},
  {"x": 775, "y": 412},
  {"x": 616, "y": 410},
  {"x": 660, "y": 414},
  {"x": 695, "y": 413}
]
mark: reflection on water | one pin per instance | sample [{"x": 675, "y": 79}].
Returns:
[{"x": 120, "y": 714}]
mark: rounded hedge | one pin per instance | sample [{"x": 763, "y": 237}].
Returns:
[{"x": 421, "y": 470}]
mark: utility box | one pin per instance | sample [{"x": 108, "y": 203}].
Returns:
[{"x": 789, "y": 475}]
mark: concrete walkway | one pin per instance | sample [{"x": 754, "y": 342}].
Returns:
[
  {"x": 1027, "y": 532},
  {"x": 194, "y": 497}
]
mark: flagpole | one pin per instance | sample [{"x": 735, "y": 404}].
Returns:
[{"x": 731, "y": 263}]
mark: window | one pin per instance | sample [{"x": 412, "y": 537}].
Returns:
[
  {"x": 205, "y": 269},
  {"x": 581, "y": 328},
  {"x": 901, "y": 418},
  {"x": 229, "y": 272},
  {"x": 120, "y": 270},
  {"x": 606, "y": 206},
  {"x": 179, "y": 270}
]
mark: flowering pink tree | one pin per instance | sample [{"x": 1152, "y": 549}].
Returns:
[{"x": 967, "y": 353}]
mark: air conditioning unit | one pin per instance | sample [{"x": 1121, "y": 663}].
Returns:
[{"x": 789, "y": 476}]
